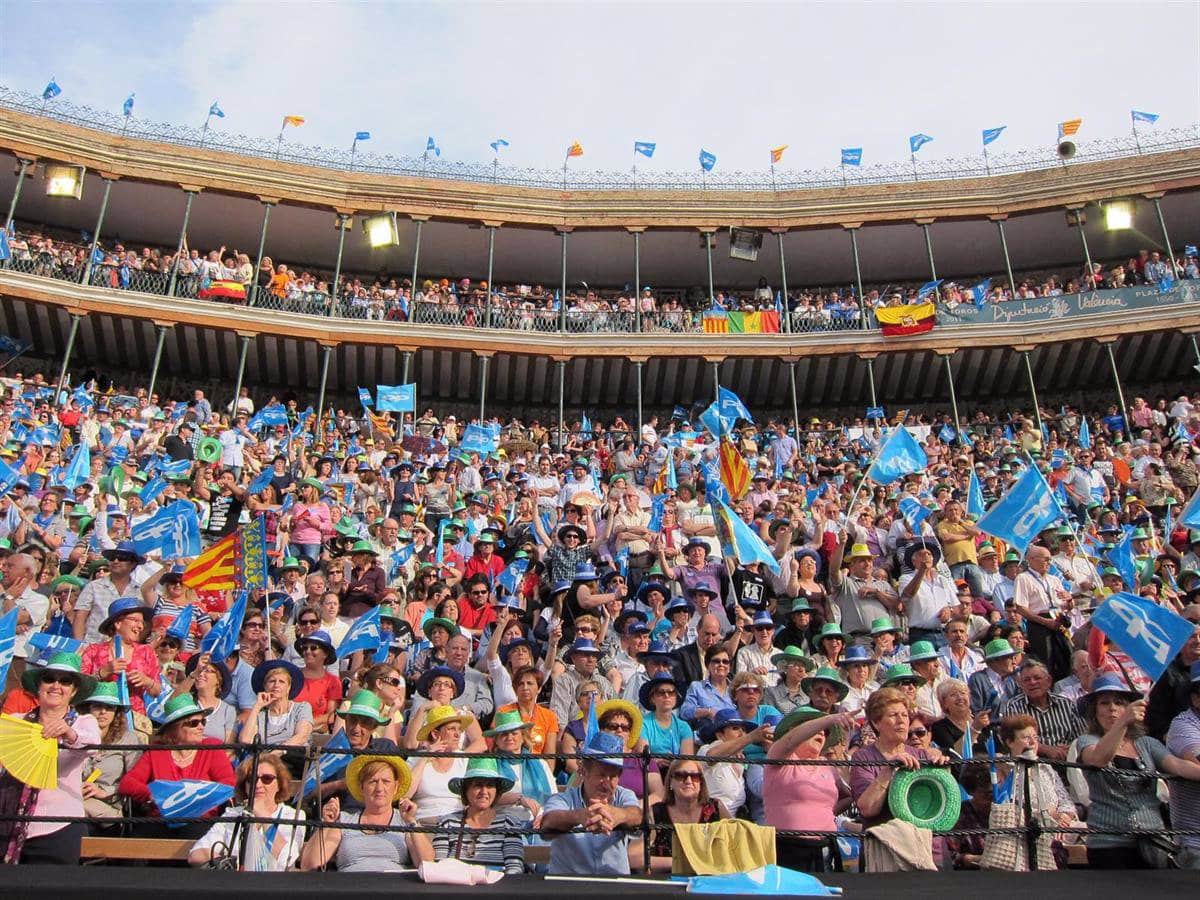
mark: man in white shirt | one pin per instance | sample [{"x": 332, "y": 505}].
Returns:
[
  {"x": 233, "y": 445},
  {"x": 929, "y": 596},
  {"x": 18, "y": 578},
  {"x": 1040, "y": 599}
]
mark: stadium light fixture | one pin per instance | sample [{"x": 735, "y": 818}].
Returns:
[
  {"x": 381, "y": 230},
  {"x": 1118, "y": 215},
  {"x": 64, "y": 180}
]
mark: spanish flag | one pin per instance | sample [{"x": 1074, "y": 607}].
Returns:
[
  {"x": 576, "y": 149},
  {"x": 295, "y": 121},
  {"x": 900, "y": 320},
  {"x": 777, "y": 153},
  {"x": 735, "y": 474},
  {"x": 222, "y": 289}
]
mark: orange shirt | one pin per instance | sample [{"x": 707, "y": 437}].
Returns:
[{"x": 545, "y": 723}]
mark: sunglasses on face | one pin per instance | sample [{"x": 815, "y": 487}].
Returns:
[
  {"x": 193, "y": 723},
  {"x": 688, "y": 776},
  {"x": 52, "y": 678},
  {"x": 917, "y": 732},
  {"x": 253, "y": 626},
  {"x": 394, "y": 681},
  {"x": 308, "y": 622},
  {"x": 267, "y": 778},
  {"x": 719, "y": 662},
  {"x": 618, "y": 727}
]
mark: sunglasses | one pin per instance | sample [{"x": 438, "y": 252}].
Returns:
[
  {"x": 480, "y": 593},
  {"x": 618, "y": 727},
  {"x": 394, "y": 681},
  {"x": 267, "y": 778},
  {"x": 688, "y": 776},
  {"x": 718, "y": 662},
  {"x": 917, "y": 732},
  {"x": 193, "y": 723},
  {"x": 53, "y": 678},
  {"x": 309, "y": 622},
  {"x": 253, "y": 626},
  {"x": 313, "y": 647}
]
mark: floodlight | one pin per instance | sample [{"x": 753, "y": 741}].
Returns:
[
  {"x": 1118, "y": 215},
  {"x": 381, "y": 230},
  {"x": 64, "y": 180}
]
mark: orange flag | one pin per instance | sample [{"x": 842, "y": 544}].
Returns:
[
  {"x": 735, "y": 474},
  {"x": 576, "y": 149}
]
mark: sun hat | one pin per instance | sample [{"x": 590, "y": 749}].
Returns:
[
  {"x": 572, "y": 529},
  {"x": 125, "y": 606},
  {"x": 792, "y": 654},
  {"x": 398, "y": 766},
  {"x": 290, "y": 563},
  {"x": 695, "y": 542},
  {"x": 859, "y": 551},
  {"x": 723, "y": 719},
  {"x": 312, "y": 483},
  {"x": 1108, "y": 683},
  {"x": 883, "y": 625},
  {"x": 856, "y": 655},
  {"x": 258, "y": 677},
  {"x": 104, "y": 693},
  {"x": 652, "y": 584},
  {"x": 125, "y": 548},
  {"x": 997, "y": 649},
  {"x": 635, "y": 717},
  {"x": 601, "y": 748},
  {"x": 800, "y": 604},
  {"x": 650, "y": 686},
  {"x": 367, "y": 704},
  {"x": 797, "y": 716},
  {"x": 483, "y": 768},
  {"x": 438, "y": 622},
  {"x": 829, "y": 629},
  {"x": 827, "y": 674},
  {"x": 439, "y": 716},
  {"x": 506, "y": 721},
  {"x": 363, "y": 547},
  {"x": 59, "y": 662},
  {"x": 901, "y": 673},
  {"x": 583, "y": 645},
  {"x": 679, "y": 604},
  {"x": 922, "y": 650},
  {"x": 424, "y": 682},
  {"x": 928, "y": 797},
  {"x": 917, "y": 546},
  {"x": 987, "y": 548},
  {"x": 180, "y": 707},
  {"x": 762, "y": 619},
  {"x": 223, "y": 675},
  {"x": 322, "y": 639}
]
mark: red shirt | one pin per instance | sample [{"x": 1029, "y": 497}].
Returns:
[
  {"x": 493, "y": 568},
  {"x": 319, "y": 693},
  {"x": 475, "y": 617},
  {"x": 159, "y": 765}
]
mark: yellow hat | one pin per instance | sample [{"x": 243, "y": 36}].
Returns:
[
  {"x": 859, "y": 550},
  {"x": 399, "y": 767},
  {"x": 635, "y": 718},
  {"x": 439, "y": 716}
]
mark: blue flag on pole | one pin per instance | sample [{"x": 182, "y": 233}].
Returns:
[
  {"x": 497, "y": 144},
  {"x": 52, "y": 90},
  {"x": 364, "y": 397},
  {"x": 8, "y": 640},
  {"x": 362, "y": 135},
  {"x": 174, "y": 530},
  {"x": 875, "y": 412},
  {"x": 852, "y": 156},
  {"x": 215, "y": 110},
  {"x": 657, "y": 506},
  {"x": 990, "y": 134},
  {"x": 914, "y": 512},
  {"x": 1027, "y": 508},
  {"x": 364, "y": 634},
  {"x": 1085, "y": 433},
  {"x": 80, "y": 469},
  {"x": 188, "y": 799},
  {"x": 222, "y": 639},
  {"x": 8, "y": 478},
  {"x": 395, "y": 398},
  {"x": 900, "y": 455},
  {"x": 946, "y": 434},
  {"x": 585, "y": 427},
  {"x": 975, "y": 505},
  {"x": 739, "y": 540},
  {"x": 477, "y": 439},
  {"x": 646, "y": 148},
  {"x": 707, "y": 160},
  {"x": 1138, "y": 116},
  {"x": 980, "y": 292},
  {"x": 917, "y": 141},
  {"x": 432, "y": 147},
  {"x": 46, "y": 643},
  {"x": 1150, "y": 634},
  {"x": 127, "y": 106},
  {"x": 399, "y": 558},
  {"x": 514, "y": 572},
  {"x": 182, "y": 626},
  {"x": 156, "y": 707},
  {"x": 1121, "y": 556},
  {"x": 928, "y": 288},
  {"x": 270, "y": 416},
  {"x": 622, "y": 560},
  {"x": 329, "y": 763}
]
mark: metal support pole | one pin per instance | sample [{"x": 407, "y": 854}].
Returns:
[
  {"x": 795, "y": 402},
  {"x": 1112, "y": 361},
  {"x": 407, "y": 365},
  {"x": 637, "y": 307},
  {"x": 1196, "y": 350},
  {"x": 262, "y": 247},
  {"x": 326, "y": 353},
  {"x": 187, "y": 214},
  {"x": 716, "y": 381},
  {"x": 1012, "y": 282},
  {"x": 1087, "y": 254},
  {"x": 787, "y": 316},
  {"x": 62, "y": 373},
  {"x": 638, "y": 367},
  {"x": 237, "y": 387},
  {"x": 87, "y": 269},
  {"x": 416, "y": 259},
  {"x": 12, "y": 204},
  {"x": 929, "y": 250},
  {"x": 562, "y": 386},
  {"x": 483, "y": 373},
  {"x": 871, "y": 380},
  {"x": 712, "y": 297},
  {"x": 158, "y": 349},
  {"x": 1037, "y": 407},
  {"x": 1162, "y": 223},
  {"x": 953, "y": 395},
  {"x": 337, "y": 267},
  {"x": 862, "y": 301},
  {"x": 487, "y": 302},
  {"x": 562, "y": 294}
]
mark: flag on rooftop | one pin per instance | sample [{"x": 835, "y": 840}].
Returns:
[
  {"x": 917, "y": 141},
  {"x": 294, "y": 121},
  {"x": 646, "y": 148},
  {"x": 991, "y": 134},
  {"x": 432, "y": 147},
  {"x": 362, "y": 136},
  {"x": 497, "y": 144},
  {"x": 777, "y": 153},
  {"x": 576, "y": 149},
  {"x": 1138, "y": 116},
  {"x": 852, "y": 156},
  {"x": 127, "y": 106},
  {"x": 707, "y": 160},
  {"x": 52, "y": 90},
  {"x": 1068, "y": 128},
  {"x": 215, "y": 110}
]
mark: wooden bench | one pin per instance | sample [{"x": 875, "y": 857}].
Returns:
[{"x": 148, "y": 849}]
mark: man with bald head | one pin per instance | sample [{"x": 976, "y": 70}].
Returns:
[
  {"x": 18, "y": 577},
  {"x": 688, "y": 664}
]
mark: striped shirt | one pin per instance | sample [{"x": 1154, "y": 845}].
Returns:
[
  {"x": 1058, "y": 724},
  {"x": 497, "y": 851},
  {"x": 1183, "y": 740},
  {"x": 1124, "y": 802}
]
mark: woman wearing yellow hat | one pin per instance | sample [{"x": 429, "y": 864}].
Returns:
[{"x": 431, "y": 777}]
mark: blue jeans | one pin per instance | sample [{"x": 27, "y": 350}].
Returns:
[
  {"x": 310, "y": 552},
  {"x": 971, "y": 574}
]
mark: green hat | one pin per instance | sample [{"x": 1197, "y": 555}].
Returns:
[
  {"x": 485, "y": 538},
  {"x": 368, "y": 705},
  {"x": 829, "y": 629},
  {"x": 827, "y": 674},
  {"x": 59, "y": 662},
  {"x": 883, "y": 625},
  {"x": 68, "y": 580},
  {"x": 900, "y": 673},
  {"x": 208, "y": 450},
  {"x": 291, "y": 562},
  {"x": 580, "y": 461},
  {"x": 797, "y": 716},
  {"x": 104, "y": 692},
  {"x": 998, "y": 649},
  {"x": 1011, "y": 556},
  {"x": 922, "y": 650},
  {"x": 1109, "y": 570},
  {"x": 363, "y": 547},
  {"x": 1065, "y": 531},
  {"x": 1140, "y": 534},
  {"x": 509, "y": 720},
  {"x": 312, "y": 483},
  {"x": 987, "y": 548},
  {"x": 346, "y": 527},
  {"x": 927, "y": 798},
  {"x": 180, "y": 707},
  {"x": 434, "y": 621},
  {"x": 484, "y": 767},
  {"x": 793, "y": 654},
  {"x": 85, "y": 522}
]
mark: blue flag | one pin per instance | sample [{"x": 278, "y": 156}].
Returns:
[
  {"x": 980, "y": 292},
  {"x": 917, "y": 141},
  {"x": 875, "y": 412},
  {"x": 900, "y": 455},
  {"x": 514, "y": 572},
  {"x": 188, "y": 799},
  {"x": 364, "y": 397},
  {"x": 646, "y": 148},
  {"x": 395, "y": 398},
  {"x": 8, "y": 477},
  {"x": 593, "y": 727},
  {"x": 8, "y": 640},
  {"x": 497, "y": 144},
  {"x": 739, "y": 540},
  {"x": 329, "y": 764},
  {"x": 222, "y": 639},
  {"x": 45, "y": 644},
  {"x": 1138, "y": 116},
  {"x": 914, "y": 512},
  {"x": 174, "y": 467},
  {"x": 657, "y": 506},
  {"x": 364, "y": 634},
  {"x": 156, "y": 707},
  {"x": 947, "y": 434},
  {"x": 182, "y": 626},
  {"x": 362, "y": 136},
  {"x": 975, "y": 505},
  {"x": 5, "y": 253},
  {"x": 261, "y": 482},
  {"x": 707, "y": 160},
  {"x": 127, "y": 106},
  {"x": 622, "y": 560},
  {"x": 432, "y": 147},
  {"x": 585, "y": 427},
  {"x": 1121, "y": 556},
  {"x": 990, "y": 134},
  {"x": 477, "y": 439},
  {"x": 1150, "y": 634},
  {"x": 52, "y": 90},
  {"x": 272, "y": 415},
  {"x": 672, "y": 478},
  {"x": 1002, "y": 791},
  {"x": 852, "y": 156},
  {"x": 399, "y": 558},
  {"x": 174, "y": 530},
  {"x": 1027, "y": 508},
  {"x": 215, "y": 110},
  {"x": 80, "y": 469},
  {"x": 153, "y": 488},
  {"x": 1085, "y": 433},
  {"x": 928, "y": 288}
]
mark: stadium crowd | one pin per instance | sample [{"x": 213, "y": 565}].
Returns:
[{"x": 530, "y": 588}]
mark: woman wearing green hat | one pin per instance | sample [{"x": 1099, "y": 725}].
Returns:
[
  {"x": 793, "y": 667},
  {"x": 55, "y": 685},
  {"x": 365, "y": 583},
  {"x": 106, "y": 768},
  {"x": 532, "y": 779}
]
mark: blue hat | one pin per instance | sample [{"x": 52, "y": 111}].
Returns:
[
  {"x": 585, "y": 571},
  {"x": 635, "y": 626},
  {"x": 1108, "y": 683},
  {"x": 706, "y": 585},
  {"x": 506, "y": 649},
  {"x": 724, "y": 718},
  {"x": 652, "y": 584},
  {"x": 762, "y": 619},
  {"x": 856, "y": 654},
  {"x": 650, "y": 686},
  {"x": 123, "y": 606},
  {"x": 601, "y": 746},
  {"x": 695, "y": 542},
  {"x": 658, "y": 650},
  {"x": 560, "y": 586},
  {"x": 440, "y": 672},
  {"x": 677, "y": 604},
  {"x": 584, "y": 645},
  {"x": 258, "y": 677},
  {"x": 280, "y": 599},
  {"x": 323, "y": 640},
  {"x": 125, "y": 548}
]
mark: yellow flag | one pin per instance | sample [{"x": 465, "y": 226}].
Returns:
[
  {"x": 297, "y": 121},
  {"x": 1069, "y": 127},
  {"x": 777, "y": 153},
  {"x": 576, "y": 149}
]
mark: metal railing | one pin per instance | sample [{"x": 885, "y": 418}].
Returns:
[{"x": 1117, "y": 147}]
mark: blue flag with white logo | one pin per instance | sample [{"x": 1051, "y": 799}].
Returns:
[
  {"x": 156, "y": 707},
  {"x": 990, "y": 134},
  {"x": 395, "y": 398},
  {"x": 714, "y": 487},
  {"x": 852, "y": 156},
  {"x": 153, "y": 488},
  {"x": 174, "y": 467},
  {"x": 1151, "y": 635},
  {"x": 272, "y": 415},
  {"x": 739, "y": 540},
  {"x": 875, "y": 412},
  {"x": 215, "y": 110},
  {"x": 980, "y": 292},
  {"x": 174, "y": 530},
  {"x": 917, "y": 141},
  {"x": 364, "y": 634},
  {"x": 657, "y": 507},
  {"x": 45, "y": 644},
  {"x": 1027, "y": 508},
  {"x": 914, "y": 512},
  {"x": 477, "y": 439},
  {"x": 188, "y": 799},
  {"x": 8, "y": 478},
  {"x": 364, "y": 397},
  {"x": 399, "y": 558},
  {"x": 512, "y": 575},
  {"x": 329, "y": 764},
  {"x": 51, "y": 90},
  {"x": 900, "y": 455},
  {"x": 497, "y": 144},
  {"x": 975, "y": 505},
  {"x": 646, "y": 148},
  {"x": 432, "y": 147},
  {"x": 707, "y": 160},
  {"x": 8, "y": 640},
  {"x": 928, "y": 288},
  {"x": 1148, "y": 117},
  {"x": 622, "y": 560},
  {"x": 946, "y": 434},
  {"x": 127, "y": 106},
  {"x": 222, "y": 639},
  {"x": 1122, "y": 558}
]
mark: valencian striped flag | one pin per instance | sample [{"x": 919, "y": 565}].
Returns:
[
  {"x": 236, "y": 561},
  {"x": 1068, "y": 128},
  {"x": 735, "y": 474},
  {"x": 294, "y": 121},
  {"x": 777, "y": 153},
  {"x": 911, "y": 319},
  {"x": 576, "y": 149}
]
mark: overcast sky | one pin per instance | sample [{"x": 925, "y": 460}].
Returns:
[{"x": 733, "y": 78}]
